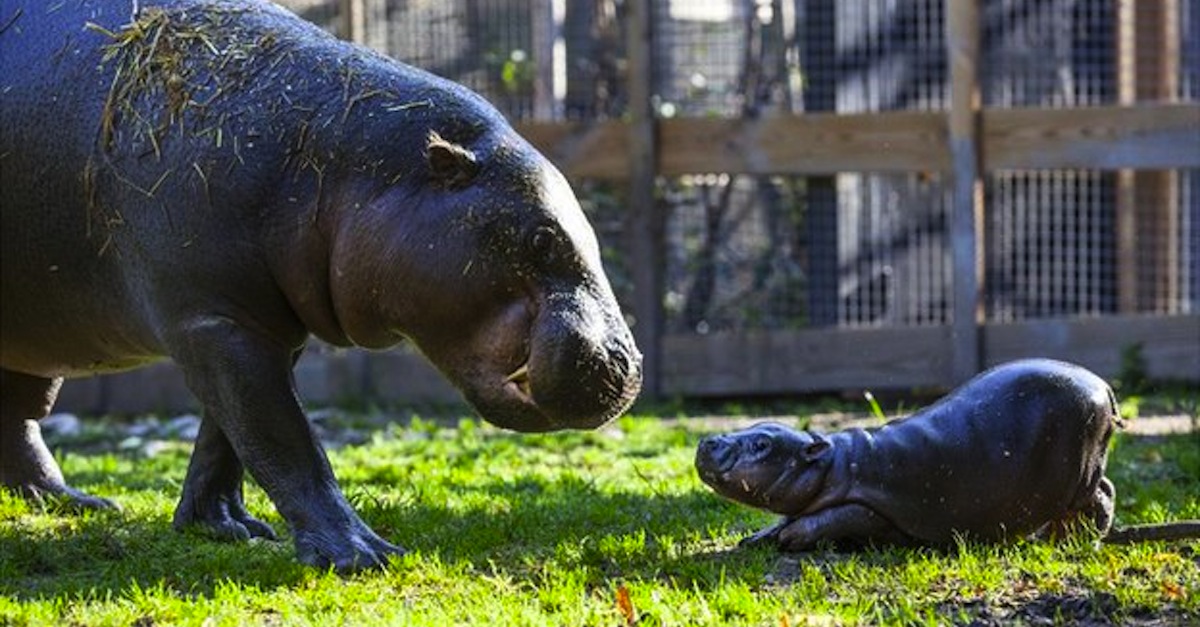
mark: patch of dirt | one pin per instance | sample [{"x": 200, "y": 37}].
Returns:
[{"x": 1026, "y": 605}]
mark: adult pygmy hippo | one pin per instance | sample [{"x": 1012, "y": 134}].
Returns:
[
  {"x": 216, "y": 180},
  {"x": 1018, "y": 450}
]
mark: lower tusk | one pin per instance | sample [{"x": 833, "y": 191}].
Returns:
[
  {"x": 520, "y": 380},
  {"x": 518, "y": 375}
]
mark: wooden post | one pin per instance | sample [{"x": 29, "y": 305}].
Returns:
[
  {"x": 1148, "y": 253},
  {"x": 353, "y": 17},
  {"x": 646, "y": 222},
  {"x": 542, "y": 30},
  {"x": 966, "y": 219}
]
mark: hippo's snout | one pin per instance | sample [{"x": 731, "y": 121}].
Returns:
[
  {"x": 582, "y": 383},
  {"x": 715, "y": 455}
]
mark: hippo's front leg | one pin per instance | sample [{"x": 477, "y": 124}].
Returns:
[
  {"x": 212, "y": 492},
  {"x": 851, "y": 523},
  {"x": 244, "y": 382}
]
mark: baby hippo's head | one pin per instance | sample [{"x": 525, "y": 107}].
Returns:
[{"x": 767, "y": 466}]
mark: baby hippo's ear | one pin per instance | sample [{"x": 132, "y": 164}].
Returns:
[
  {"x": 450, "y": 165},
  {"x": 816, "y": 449}
]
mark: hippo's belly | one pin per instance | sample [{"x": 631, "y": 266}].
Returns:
[{"x": 68, "y": 342}]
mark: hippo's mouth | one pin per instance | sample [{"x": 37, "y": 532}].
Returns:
[{"x": 519, "y": 384}]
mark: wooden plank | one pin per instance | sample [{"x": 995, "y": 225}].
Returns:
[
  {"x": 1146, "y": 136},
  {"x": 353, "y": 25},
  {"x": 1126, "y": 206},
  {"x": 791, "y": 362},
  {"x": 966, "y": 210},
  {"x": 813, "y": 360},
  {"x": 542, "y": 33},
  {"x": 645, "y": 225},
  {"x": 815, "y": 143},
  {"x": 1170, "y": 344},
  {"x": 1141, "y": 136},
  {"x": 582, "y": 149}
]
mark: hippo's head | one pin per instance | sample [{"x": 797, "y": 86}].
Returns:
[
  {"x": 485, "y": 261},
  {"x": 767, "y": 466}
]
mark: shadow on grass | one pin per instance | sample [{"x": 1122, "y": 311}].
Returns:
[
  {"x": 567, "y": 524},
  {"x": 103, "y": 554},
  {"x": 528, "y": 529}
]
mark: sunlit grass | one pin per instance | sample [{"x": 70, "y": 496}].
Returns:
[{"x": 508, "y": 529}]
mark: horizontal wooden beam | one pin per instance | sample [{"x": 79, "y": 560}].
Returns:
[
  {"x": 582, "y": 149},
  {"x": 810, "y": 144},
  {"x": 1169, "y": 345},
  {"x": 718, "y": 364},
  {"x": 904, "y": 358},
  {"x": 789, "y": 362},
  {"x": 1144, "y": 137},
  {"x": 1136, "y": 137}
]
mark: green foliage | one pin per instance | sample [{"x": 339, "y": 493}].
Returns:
[
  {"x": 549, "y": 529},
  {"x": 1132, "y": 378}
]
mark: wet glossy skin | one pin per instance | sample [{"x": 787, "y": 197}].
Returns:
[
  {"x": 1018, "y": 450},
  {"x": 251, "y": 182}
]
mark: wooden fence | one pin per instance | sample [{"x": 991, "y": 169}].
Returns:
[{"x": 966, "y": 142}]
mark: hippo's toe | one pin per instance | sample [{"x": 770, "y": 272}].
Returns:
[{"x": 361, "y": 550}]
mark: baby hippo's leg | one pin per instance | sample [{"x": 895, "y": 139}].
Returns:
[
  {"x": 852, "y": 523},
  {"x": 767, "y": 535},
  {"x": 1100, "y": 509},
  {"x": 1096, "y": 510}
]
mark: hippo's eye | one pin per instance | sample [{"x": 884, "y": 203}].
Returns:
[
  {"x": 542, "y": 240},
  {"x": 760, "y": 445}
]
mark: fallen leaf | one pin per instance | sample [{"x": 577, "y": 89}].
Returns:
[
  {"x": 1173, "y": 591},
  {"x": 625, "y": 605}
]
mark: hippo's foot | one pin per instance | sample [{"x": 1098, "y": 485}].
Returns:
[
  {"x": 27, "y": 467},
  {"x": 768, "y": 536},
  {"x": 843, "y": 526},
  {"x": 354, "y": 547},
  {"x": 223, "y": 518},
  {"x": 60, "y": 497}
]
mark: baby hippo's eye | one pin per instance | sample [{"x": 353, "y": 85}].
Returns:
[
  {"x": 541, "y": 241},
  {"x": 760, "y": 445}
]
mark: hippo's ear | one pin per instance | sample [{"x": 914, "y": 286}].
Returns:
[
  {"x": 450, "y": 165},
  {"x": 816, "y": 449}
]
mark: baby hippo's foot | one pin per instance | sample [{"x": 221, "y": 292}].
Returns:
[{"x": 765, "y": 537}]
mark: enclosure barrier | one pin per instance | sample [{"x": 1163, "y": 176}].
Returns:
[{"x": 1007, "y": 169}]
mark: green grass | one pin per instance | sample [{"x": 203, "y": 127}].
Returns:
[{"x": 506, "y": 529}]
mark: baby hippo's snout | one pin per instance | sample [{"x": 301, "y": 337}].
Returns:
[{"x": 716, "y": 454}]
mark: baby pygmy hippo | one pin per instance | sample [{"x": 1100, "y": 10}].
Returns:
[{"x": 1018, "y": 450}]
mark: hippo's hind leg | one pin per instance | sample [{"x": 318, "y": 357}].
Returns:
[
  {"x": 850, "y": 524},
  {"x": 26, "y": 465},
  {"x": 1096, "y": 509},
  {"x": 1100, "y": 509},
  {"x": 212, "y": 492}
]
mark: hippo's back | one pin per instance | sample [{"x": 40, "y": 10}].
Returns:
[{"x": 1016, "y": 447}]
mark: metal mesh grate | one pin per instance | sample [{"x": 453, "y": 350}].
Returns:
[{"x": 851, "y": 249}]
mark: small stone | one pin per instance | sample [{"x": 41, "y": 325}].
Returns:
[
  {"x": 153, "y": 448},
  {"x": 143, "y": 427},
  {"x": 319, "y": 416},
  {"x": 185, "y": 427},
  {"x": 64, "y": 425}
]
